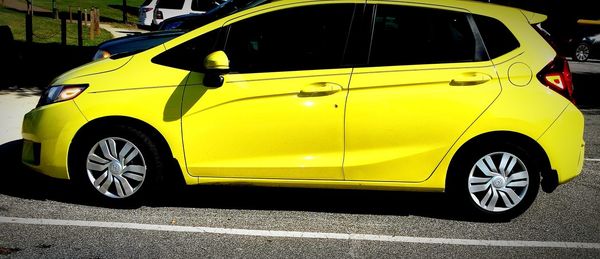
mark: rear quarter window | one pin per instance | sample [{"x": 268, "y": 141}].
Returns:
[{"x": 498, "y": 39}]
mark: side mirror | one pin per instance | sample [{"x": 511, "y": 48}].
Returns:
[{"x": 216, "y": 65}]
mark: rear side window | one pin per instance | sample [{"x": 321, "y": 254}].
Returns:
[
  {"x": 170, "y": 4},
  {"x": 497, "y": 38},
  {"x": 410, "y": 35}
]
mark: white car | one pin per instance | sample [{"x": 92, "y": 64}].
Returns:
[
  {"x": 170, "y": 8},
  {"x": 147, "y": 13}
]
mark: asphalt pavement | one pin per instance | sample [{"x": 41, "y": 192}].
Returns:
[{"x": 43, "y": 217}]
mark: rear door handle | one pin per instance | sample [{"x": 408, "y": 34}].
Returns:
[
  {"x": 468, "y": 79},
  {"x": 320, "y": 89}
]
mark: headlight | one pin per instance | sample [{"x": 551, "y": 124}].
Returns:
[
  {"x": 101, "y": 54},
  {"x": 60, "y": 93}
]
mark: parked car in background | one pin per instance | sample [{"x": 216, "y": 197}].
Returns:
[
  {"x": 586, "y": 48},
  {"x": 134, "y": 43},
  {"x": 170, "y": 29},
  {"x": 475, "y": 103},
  {"x": 586, "y": 43},
  {"x": 192, "y": 21},
  {"x": 170, "y": 8},
  {"x": 147, "y": 13}
]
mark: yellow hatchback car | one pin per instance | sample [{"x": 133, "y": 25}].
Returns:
[{"x": 430, "y": 95}]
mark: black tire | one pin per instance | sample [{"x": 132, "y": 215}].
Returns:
[
  {"x": 491, "y": 195},
  {"x": 582, "y": 52},
  {"x": 126, "y": 180}
]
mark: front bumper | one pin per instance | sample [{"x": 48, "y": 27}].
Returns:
[{"x": 47, "y": 134}]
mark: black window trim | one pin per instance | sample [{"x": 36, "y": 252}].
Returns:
[{"x": 481, "y": 52}]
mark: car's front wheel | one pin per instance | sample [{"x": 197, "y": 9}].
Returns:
[
  {"x": 118, "y": 165},
  {"x": 498, "y": 182}
]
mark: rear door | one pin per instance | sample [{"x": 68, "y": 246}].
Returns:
[{"x": 427, "y": 79}]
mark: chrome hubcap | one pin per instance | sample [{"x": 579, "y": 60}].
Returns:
[
  {"x": 582, "y": 52},
  {"x": 116, "y": 167},
  {"x": 498, "y": 181}
]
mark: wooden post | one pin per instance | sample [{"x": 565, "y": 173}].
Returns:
[
  {"x": 97, "y": 29},
  {"x": 79, "y": 29},
  {"x": 29, "y": 23},
  {"x": 54, "y": 10},
  {"x": 63, "y": 30},
  {"x": 124, "y": 11},
  {"x": 85, "y": 17},
  {"x": 70, "y": 15},
  {"x": 91, "y": 28}
]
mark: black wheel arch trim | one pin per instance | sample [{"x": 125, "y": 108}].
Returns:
[{"x": 549, "y": 180}]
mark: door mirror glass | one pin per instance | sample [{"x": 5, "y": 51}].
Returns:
[{"x": 216, "y": 65}]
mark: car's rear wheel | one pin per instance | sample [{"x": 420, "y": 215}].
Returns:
[
  {"x": 582, "y": 52},
  {"x": 119, "y": 165},
  {"x": 498, "y": 182}
]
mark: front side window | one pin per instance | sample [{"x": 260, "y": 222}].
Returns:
[
  {"x": 190, "y": 55},
  {"x": 301, "y": 38},
  {"x": 410, "y": 35}
]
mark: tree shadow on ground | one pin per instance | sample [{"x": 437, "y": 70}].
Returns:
[
  {"x": 19, "y": 181},
  {"x": 34, "y": 65}
]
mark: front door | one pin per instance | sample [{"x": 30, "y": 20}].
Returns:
[{"x": 280, "y": 112}]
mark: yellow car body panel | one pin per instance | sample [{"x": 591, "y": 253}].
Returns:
[
  {"x": 54, "y": 126},
  {"x": 150, "y": 97},
  {"x": 402, "y": 120},
  {"x": 566, "y": 149},
  {"x": 371, "y": 130},
  {"x": 267, "y": 125}
]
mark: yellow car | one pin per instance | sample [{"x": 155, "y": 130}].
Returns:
[{"x": 430, "y": 95}]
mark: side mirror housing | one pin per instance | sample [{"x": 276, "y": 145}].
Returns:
[{"x": 216, "y": 65}]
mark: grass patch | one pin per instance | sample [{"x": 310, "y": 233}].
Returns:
[
  {"x": 47, "y": 30},
  {"x": 110, "y": 10}
]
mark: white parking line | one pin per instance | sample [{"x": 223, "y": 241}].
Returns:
[
  {"x": 593, "y": 159},
  {"x": 299, "y": 234}
]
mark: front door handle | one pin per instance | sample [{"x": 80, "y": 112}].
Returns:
[
  {"x": 468, "y": 79},
  {"x": 320, "y": 89}
]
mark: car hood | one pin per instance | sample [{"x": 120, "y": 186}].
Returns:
[{"x": 92, "y": 68}]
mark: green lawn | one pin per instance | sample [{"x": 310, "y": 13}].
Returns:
[
  {"x": 47, "y": 30},
  {"x": 110, "y": 10}
]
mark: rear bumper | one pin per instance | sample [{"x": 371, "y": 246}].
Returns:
[{"x": 564, "y": 144}]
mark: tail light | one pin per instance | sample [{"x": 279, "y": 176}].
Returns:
[
  {"x": 159, "y": 15},
  {"x": 557, "y": 76},
  {"x": 147, "y": 9}
]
